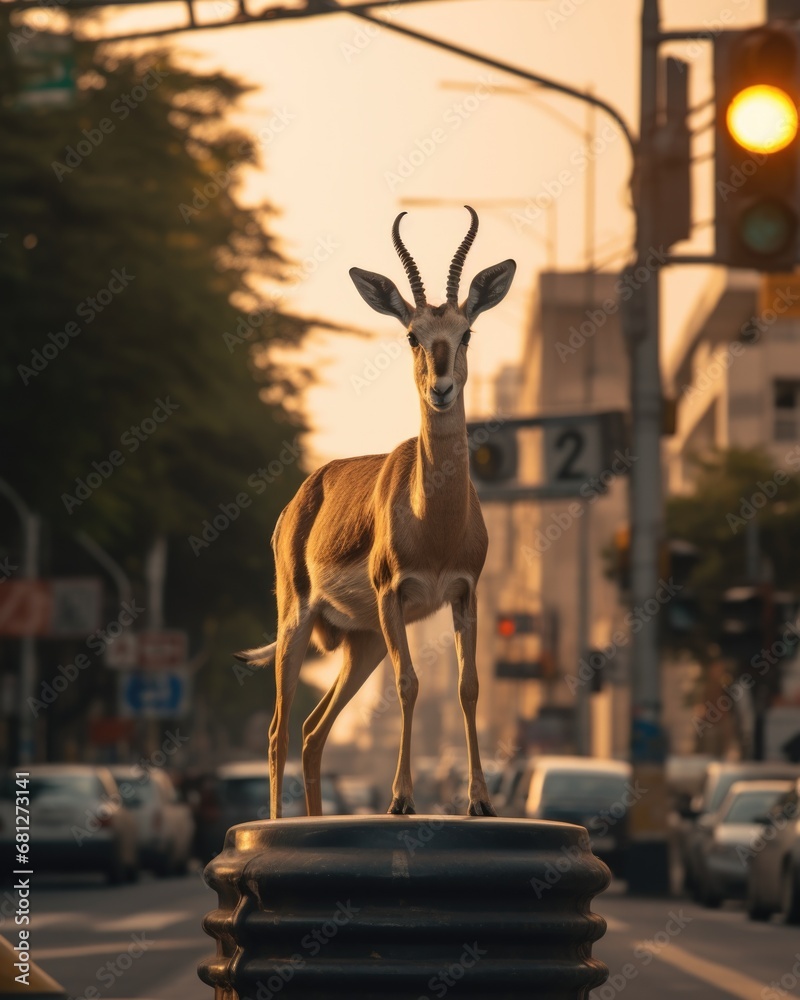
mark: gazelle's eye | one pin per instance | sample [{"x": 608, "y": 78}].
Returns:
[
  {"x": 412, "y": 340},
  {"x": 465, "y": 338}
]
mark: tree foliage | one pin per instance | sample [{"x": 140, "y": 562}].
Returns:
[
  {"x": 127, "y": 257},
  {"x": 738, "y": 492}
]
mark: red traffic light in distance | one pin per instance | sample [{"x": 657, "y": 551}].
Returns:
[
  {"x": 509, "y": 625},
  {"x": 757, "y": 81}
]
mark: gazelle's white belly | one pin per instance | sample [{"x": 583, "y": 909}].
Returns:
[
  {"x": 347, "y": 599},
  {"x": 345, "y": 596}
]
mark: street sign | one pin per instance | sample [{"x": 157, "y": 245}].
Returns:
[
  {"x": 162, "y": 695},
  {"x": 76, "y": 606},
  {"x": 518, "y": 670},
  {"x": 580, "y": 454},
  {"x": 25, "y": 607},
  {"x": 572, "y": 453},
  {"x": 45, "y": 66},
  {"x": 163, "y": 649},
  {"x": 122, "y": 652}
]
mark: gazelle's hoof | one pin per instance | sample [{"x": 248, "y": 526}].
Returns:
[
  {"x": 402, "y": 807},
  {"x": 481, "y": 808}
]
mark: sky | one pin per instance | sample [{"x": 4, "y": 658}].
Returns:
[{"x": 354, "y": 122}]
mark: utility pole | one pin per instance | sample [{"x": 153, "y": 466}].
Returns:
[
  {"x": 648, "y": 870},
  {"x": 31, "y": 524}
]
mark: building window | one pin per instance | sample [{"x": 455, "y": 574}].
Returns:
[{"x": 787, "y": 410}]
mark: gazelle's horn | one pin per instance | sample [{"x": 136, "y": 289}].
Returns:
[
  {"x": 412, "y": 270},
  {"x": 456, "y": 265}
]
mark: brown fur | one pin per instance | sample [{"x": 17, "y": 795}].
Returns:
[{"x": 370, "y": 544}]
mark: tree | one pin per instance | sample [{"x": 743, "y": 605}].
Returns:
[
  {"x": 134, "y": 361},
  {"x": 744, "y": 521}
]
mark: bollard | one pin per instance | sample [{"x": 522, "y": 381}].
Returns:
[
  {"x": 36, "y": 984},
  {"x": 407, "y": 907}
]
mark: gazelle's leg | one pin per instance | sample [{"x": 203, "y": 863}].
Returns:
[
  {"x": 363, "y": 651},
  {"x": 394, "y": 632},
  {"x": 294, "y": 632},
  {"x": 465, "y": 621}
]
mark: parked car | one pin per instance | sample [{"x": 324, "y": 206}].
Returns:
[
  {"x": 78, "y": 821},
  {"x": 241, "y": 794},
  {"x": 717, "y": 784},
  {"x": 515, "y": 782},
  {"x": 361, "y": 796},
  {"x": 725, "y": 836},
  {"x": 591, "y": 792},
  {"x": 773, "y": 879},
  {"x": 165, "y": 824}
]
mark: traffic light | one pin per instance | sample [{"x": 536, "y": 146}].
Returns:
[
  {"x": 493, "y": 455},
  {"x": 756, "y": 80}
]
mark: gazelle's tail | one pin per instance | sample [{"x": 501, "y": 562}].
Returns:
[{"x": 262, "y": 656}]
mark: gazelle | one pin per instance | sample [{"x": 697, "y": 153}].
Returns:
[{"x": 370, "y": 544}]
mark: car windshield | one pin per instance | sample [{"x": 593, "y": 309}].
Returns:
[
  {"x": 77, "y": 786},
  {"x": 749, "y": 806},
  {"x": 723, "y": 786},
  {"x": 582, "y": 787},
  {"x": 245, "y": 793},
  {"x": 136, "y": 791}
]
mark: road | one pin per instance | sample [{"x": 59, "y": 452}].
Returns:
[
  {"x": 138, "y": 942},
  {"x": 143, "y": 942}
]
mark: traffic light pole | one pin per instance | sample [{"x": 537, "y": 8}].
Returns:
[{"x": 648, "y": 867}]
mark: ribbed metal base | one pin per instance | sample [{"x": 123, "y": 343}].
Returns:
[{"x": 410, "y": 907}]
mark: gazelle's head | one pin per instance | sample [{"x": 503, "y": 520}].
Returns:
[{"x": 438, "y": 334}]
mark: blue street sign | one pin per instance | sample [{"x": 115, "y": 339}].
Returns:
[{"x": 159, "y": 695}]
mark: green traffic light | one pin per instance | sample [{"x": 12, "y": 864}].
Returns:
[{"x": 767, "y": 227}]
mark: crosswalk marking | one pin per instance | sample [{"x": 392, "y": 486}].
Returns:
[
  {"x": 145, "y": 920},
  {"x": 118, "y": 947},
  {"x": 722, "y": 977},
  {"x": 149, "y": 920}
]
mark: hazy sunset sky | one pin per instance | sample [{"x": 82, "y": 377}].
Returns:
[{"x": 353, "y": 103}]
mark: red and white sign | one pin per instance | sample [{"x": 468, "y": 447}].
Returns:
[
  {"x": 25, "y": 607},
  {"x": 163, "y": 649}
]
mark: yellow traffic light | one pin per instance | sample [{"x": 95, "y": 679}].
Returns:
[{"x": 762, "y": 118}]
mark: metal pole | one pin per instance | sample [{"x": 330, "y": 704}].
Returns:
[
  {"x": 583, "y": 693},
  {"x": 648, "y": 869},
  {"x": 30, "y": 524},
  {"x": 27, "y": 678}
]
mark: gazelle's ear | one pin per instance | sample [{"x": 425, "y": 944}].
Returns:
[
  {"x": 381, "y": 294},
  {"x": 488, "y": 288}
]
